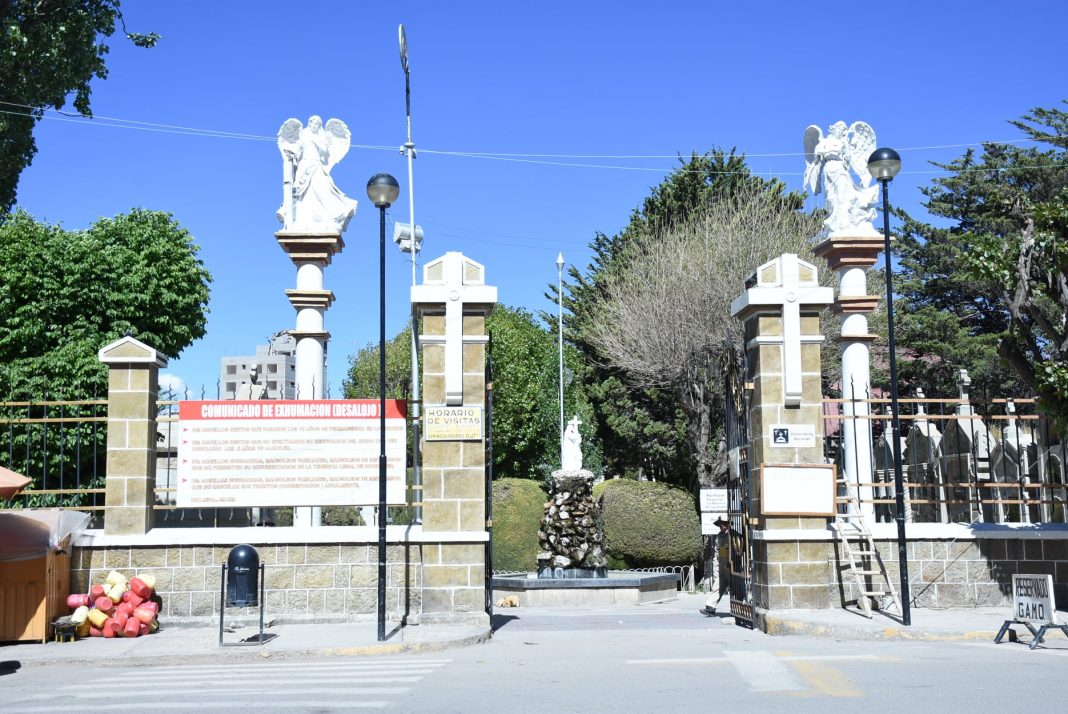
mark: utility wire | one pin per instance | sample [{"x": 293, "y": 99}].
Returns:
[{"x": 538, "y": 159}]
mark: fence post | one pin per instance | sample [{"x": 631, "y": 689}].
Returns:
[{"x": 133, "y": 381}]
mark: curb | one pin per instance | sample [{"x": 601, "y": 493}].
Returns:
[
  {"x": 217, "y": 656},
  {"x": 785, "y": 627}
]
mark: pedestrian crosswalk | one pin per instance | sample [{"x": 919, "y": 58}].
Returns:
[
  {"x": 349, "y": 684},
  {"x": 764, "y": 671}
]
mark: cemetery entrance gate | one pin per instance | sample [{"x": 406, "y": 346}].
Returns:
[{"x": 736, "y": 410}]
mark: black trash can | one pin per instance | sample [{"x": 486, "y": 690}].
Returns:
[{"x": 242, "y": 580}]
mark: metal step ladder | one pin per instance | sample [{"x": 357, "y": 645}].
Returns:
[{"x": 864, "y": 561}]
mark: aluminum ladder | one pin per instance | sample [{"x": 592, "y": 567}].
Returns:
[{"x": 865, "y": 563}]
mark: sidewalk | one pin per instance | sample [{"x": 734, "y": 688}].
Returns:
[
  {"x": 184, "y": 645},
  {"x": 979, "y": 625},
  {"x": 174, "y": 645}
]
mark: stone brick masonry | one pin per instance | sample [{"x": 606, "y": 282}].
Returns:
[{"x": 303, "y": 581}]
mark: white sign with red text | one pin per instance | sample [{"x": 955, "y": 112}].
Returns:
[{"x": 288, "y": 453}]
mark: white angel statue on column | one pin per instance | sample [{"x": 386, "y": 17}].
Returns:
[
  {"x": 850, "y": 201},
  {"x": 310, "y": 200}
]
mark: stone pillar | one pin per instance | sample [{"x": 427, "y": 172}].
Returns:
[
  {"x": 310, "y": 253},
  {"x": 780, "y": 312},
  {"x": 851, "y": 257},
  {"x": 133, "y": 383},
  {"x": 453, "y": 303}
]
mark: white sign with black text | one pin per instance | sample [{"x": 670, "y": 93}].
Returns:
[
  {"x": 713, "y": 500},
  {"x": 1032, "y": 599},
  {"x": 791, "y": 435}
]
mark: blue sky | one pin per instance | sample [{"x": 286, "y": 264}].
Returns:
[{"x": 577, "y": 88}]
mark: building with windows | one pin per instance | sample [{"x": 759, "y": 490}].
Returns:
[{"x": 276, "y": 363}]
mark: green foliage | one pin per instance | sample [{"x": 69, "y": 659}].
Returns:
[
  {"x": 64, "y": 295},
  {"x": 669, "y": 432},
  {"x": 136, "y": 274},
  {"x": 967, "y": 300},
  {"x": 362, "y": 380},
  {"x": 518, "y": 506},
  {"x": 648, "y": 524},
  {"x": 50, "y": 49},
  {"x": 526, "y": 398}
]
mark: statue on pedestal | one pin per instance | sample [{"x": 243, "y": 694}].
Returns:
[
  {"x": 310, "y": 200},
  {"x": 850, "y": 201},
  {"x": 571, "y": 453}
]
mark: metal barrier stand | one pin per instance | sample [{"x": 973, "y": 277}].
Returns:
[{"x": 259, "y": 640}]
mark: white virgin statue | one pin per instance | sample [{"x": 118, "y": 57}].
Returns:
[
  {"x": 571, "y": 453},
  {"x": 828, "y": 161},
  {"x": 310, "y": 200}
]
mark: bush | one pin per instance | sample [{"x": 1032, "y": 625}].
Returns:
[
  {"x": 648, "y": 524},
  {"x": 518, "y": 505}
]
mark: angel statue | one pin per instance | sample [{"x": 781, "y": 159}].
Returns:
[
  {"x": 850, "y": 201},
  {"x": 310, "y": 200}
]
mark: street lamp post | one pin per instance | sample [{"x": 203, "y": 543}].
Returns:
[
  {"x": 409, "y": 151},
  {"x": 383, "y": 190},
  {"x": 560, "y": 335},
  {"x": 884, "y": 164}
]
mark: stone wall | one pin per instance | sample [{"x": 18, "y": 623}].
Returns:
[
  {"x": 304, "y": 581},
  {"x": 959, "y": 572}
]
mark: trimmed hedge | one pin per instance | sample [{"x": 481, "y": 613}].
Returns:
[
  {"x": 518, "y": 505},
  {"x": 648, "y": 524}
]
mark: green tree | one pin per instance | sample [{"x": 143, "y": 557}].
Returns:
[
  {"x": 362, "y": 380},
  {"x": 964, "y": 301},
  {"x": 645, "y": 399},
  {"x": 65, "y": 294},
  {"x": 51, "y": 48},
  {"x": 525, "y": 381}
]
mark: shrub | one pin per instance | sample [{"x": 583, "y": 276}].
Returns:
[
  {"x": 648, "y": 524},
  {"x": 518, "y": 505}
]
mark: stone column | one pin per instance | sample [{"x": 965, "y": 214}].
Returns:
[
  {"x": 851, "y": 257},
  {"x": 133, "y": 383},
  {"x": 453, "y": 303},
  {"x": 782, "y": 338},
  {"x": 310, "y": 253}
]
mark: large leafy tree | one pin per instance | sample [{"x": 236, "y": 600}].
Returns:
[
  {"x": 65, "y": 294},
  {"x": 655, "y": 272},
  {"x": 51, "y": 49},
  {"x": 525, "y": 392},
  {"x": 980, "y": 288}
]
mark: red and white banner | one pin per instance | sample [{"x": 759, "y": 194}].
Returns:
[{"x": 288, "y": 453}]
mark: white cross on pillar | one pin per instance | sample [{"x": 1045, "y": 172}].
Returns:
[
  {"x": 790, "y": 283},
  {"x": 453, "y": 281}
]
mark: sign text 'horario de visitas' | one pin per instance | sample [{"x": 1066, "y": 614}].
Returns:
[{"x": 288, "y": 453}]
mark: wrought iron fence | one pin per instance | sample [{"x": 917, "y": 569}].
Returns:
[
  {"x": 961, "y": 461},
  {"x": 61, "y": 445}
]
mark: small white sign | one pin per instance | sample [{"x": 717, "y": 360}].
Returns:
[
  {"x": 1032, "y": 599},
  {"x": 797, "y": 489},
  {"x": 713, "y": 500},
  {"x": 793, "y": 435},
  {"x": 708, "y": 524},
  {"x": 452, "y": 424}
]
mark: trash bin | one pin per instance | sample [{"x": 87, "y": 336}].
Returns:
[{"x": 242, "y": 581}]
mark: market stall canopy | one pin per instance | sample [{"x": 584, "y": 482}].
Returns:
[
  {"x": 11, "y": 483},
  {"x": 28, "y": 534}
]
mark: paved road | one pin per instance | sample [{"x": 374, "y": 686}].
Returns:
[{"x": 640, "y": 660}]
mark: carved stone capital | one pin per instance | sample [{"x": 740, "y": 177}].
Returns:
[
  {"x": 852, "y": 304},
  {"x": 310, "y": 247},
  {"x": 310, "y": 298},
  {"x": 850, "y": 251}
]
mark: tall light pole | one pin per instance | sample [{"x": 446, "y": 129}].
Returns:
[
  {"x": 884, "y": 164},
  {"x": 409, "y": 150},
  {"x": 382, "y": 189},
  {"x": 560, "y": 336}
]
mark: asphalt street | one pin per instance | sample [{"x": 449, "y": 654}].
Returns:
[{"x": 638, "y": 660}]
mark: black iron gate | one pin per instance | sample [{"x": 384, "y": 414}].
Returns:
[{"x": 739, "y": 489}]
